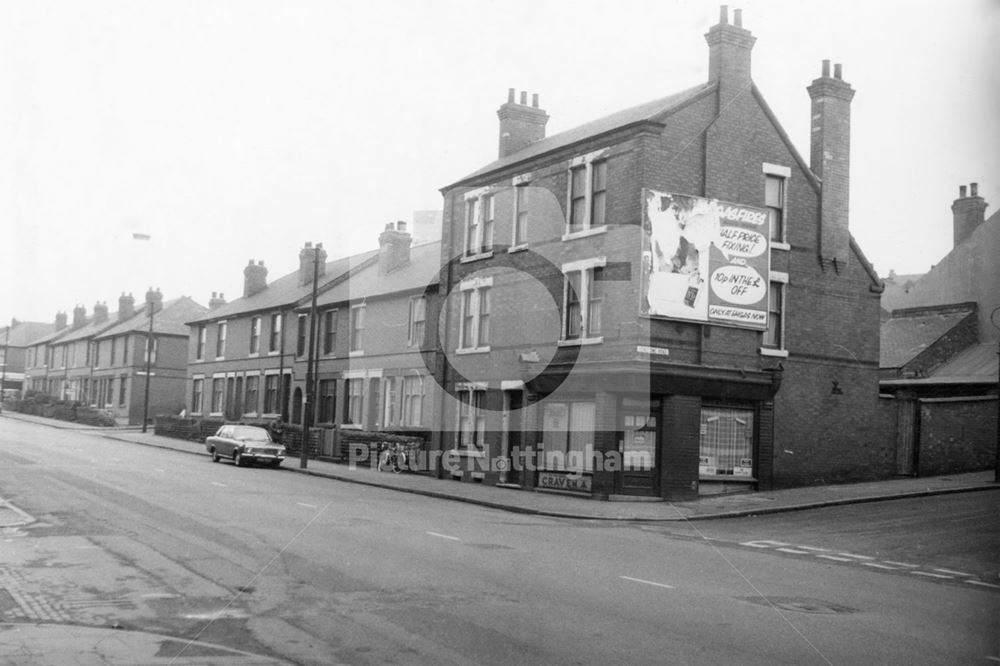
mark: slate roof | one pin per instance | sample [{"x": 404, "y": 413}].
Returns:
[
  {"x": 655, "y": 111},
  {"x": 171, "y": 319},
  {"x": 903, "y": 338},
  {"x": 423, "y": 270},
  {"x": 975, "y": 365},
  {"x": 285, "y": 291}
]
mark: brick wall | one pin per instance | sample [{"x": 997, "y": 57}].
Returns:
[{"x": 957, "y": 435}]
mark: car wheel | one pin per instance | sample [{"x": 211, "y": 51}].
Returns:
[
  {"x": 215, "y": 455},
  {"x": 275, "y": 463},
  {"x": 238, "y": 459}
]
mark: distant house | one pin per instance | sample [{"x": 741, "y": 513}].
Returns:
[
  {"x": 939, "y": 351},
  {"x": 15, "y": 342}
]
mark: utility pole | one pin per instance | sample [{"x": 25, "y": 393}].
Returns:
[
  {"x": 995, "y": 320},
  {"x": 310, "y": 359},
  {"x": 149, "y": 358},
  {"x": 3, "y": 371}
]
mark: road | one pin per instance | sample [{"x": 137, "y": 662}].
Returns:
[{"x": 320, "y": 572}]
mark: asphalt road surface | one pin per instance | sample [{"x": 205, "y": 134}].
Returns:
[{"x": 321, "y": 572}]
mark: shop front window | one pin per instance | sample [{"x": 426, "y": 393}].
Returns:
[{"x": 727, "y": 436}]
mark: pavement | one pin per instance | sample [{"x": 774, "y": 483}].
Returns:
[{"x": 43, "y": 644}]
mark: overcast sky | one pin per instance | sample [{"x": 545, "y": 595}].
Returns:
[{"x": 228, "y": 129}]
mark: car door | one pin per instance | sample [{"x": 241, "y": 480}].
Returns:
[{"x": 224, "y": 442}]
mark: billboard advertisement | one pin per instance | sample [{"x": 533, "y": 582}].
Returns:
[{"x": 705, "y": 260}]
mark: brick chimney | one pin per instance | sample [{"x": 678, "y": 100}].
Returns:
[
  {"x": 216, "y": 301},
  {"x": 394, "y": 247},
  {"x": 306, "y": 255},
  {"x": 100, "y": 312},
  {"x": 126, "y": 307},
  {"x": 520, "y": 124},
  {"x": 156, "y": 298},
  {"x": 254, "y": 278},
  {"x": 830, "y": 160},
  {"x": 60, "y": 321},
  {"x": 729, "y": 47},
  {"x": 968, "y": 211},
  {"x": 79, "y": 316}
]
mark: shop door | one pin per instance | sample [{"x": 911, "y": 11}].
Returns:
[{"x": 638, "y": 441}]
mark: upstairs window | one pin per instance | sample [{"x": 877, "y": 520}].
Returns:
[
  {"x": 274, "y": 342},
  {"x": 418, "y": 314},
  {"x": 220, "y": 341},
  {"x": 475, "y": 315},
  {"x": 300, "y": 337},
  {"x": 148, "y": 357},
  {"x": 357, "y": 328},
  {"x": 773, "y": 340},
  {"x": 480, "y": 218},
  {"x": 776, "y": 200},
  {"x": 587, "y": 196},
  {"x": 199, "y": 352},
  {"x": 255, "y": 335},
  {"x": 583, "y": 301},
  {"x": 329, "y": 331}
]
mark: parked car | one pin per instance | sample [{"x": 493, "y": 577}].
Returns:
[{"x": 244, "y": 444}]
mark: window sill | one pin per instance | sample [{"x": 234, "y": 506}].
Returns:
[
  {"x": 770, "y": 351},
  {"x": 579, "y": 342},
  {"x": 779, "y": 245},
  {"x": 473, "y": 350},
  {"x": 356, "y": 353},
  {"x": 274, "y": 353},
  {"x": 517, "y": 248},
  {"x": 476, "y": 257},
  {"x": 253, "y": 355},
  {"x": 584, "y": 233},
  {"x": 215, "y": 413}
]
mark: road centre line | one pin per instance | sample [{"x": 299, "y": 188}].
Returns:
[
  {"x": 443, "y": 536},
  {"x": 819, "y": 550},
  {"x": 764, "y": 544},
  {"x": 931, "y": 575},
  {"x": 216, "y": 483},
  {"x": 953, "y": 573},
  {"x": 859, "y": 557},
  {"x": 879, "y": 566},
  {"x": 796, "y": 552},
  {"x": 982, "y": 584},
  {"x": 647, "y": 582},
  {"x": 901, "y": 564},
  {"x": 310, "y": 506},
  {"x": 835, "y": 558}
]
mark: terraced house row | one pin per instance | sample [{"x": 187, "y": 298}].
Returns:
[{"x": 663, "y": 302}]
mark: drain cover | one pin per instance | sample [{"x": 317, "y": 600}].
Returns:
[{"x": 801, "y": 605}]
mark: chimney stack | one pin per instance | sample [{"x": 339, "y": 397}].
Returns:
[
  {"x": 79, "y": 316},
  {"x": 254, "y": 278},
  {"x": 126, "y": 306},
  {"x": 60, "y": 321},
  {"x": 830, "y": 159},
  {"x": 155, "y": 298},
  {"x": 729, "y": 48},
  {"x": 306, "y": 256},
  {"x": 520, "y": 124},
  {"x": 968, "y": 212},
  {"x": 217, "y": 301},
  {"x": 100, "y": 312},
  {"x": 394, "y": 247}
]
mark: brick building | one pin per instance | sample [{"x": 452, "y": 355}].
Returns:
[
  {"x": 100, "y": 360},
  {"x": 16, "y": 340},
  {"x": 665, "y": 302}
]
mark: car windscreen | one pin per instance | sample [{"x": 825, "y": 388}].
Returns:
[{"x": 251, "y": 434}]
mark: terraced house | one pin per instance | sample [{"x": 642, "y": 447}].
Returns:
[{"x": 666, "y": 301}]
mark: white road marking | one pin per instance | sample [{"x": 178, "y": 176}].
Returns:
[
  {"x": 901, "y": 564},
  {"x": 953, "y": 573},
  {"x": 764, "y": 544},
  {"x": 879, "y": 566},
  {"x": 835, "y": 558},
  {"x": 981, "y": 583},
  {"x": 444, "y": 536},
  {"x": 992, "y": 658},
  {"x": 859, "y": 557},
  {"x": 157, "y": 469},
  {"x": 216, "y": 483},
  {"x": 647, "y": 582},
  {"x": 311, "y": 506},
  {"x": 819, "y": 550},
  {"x": 797, "y": 552},
  {"x": 929, "y": 574}
]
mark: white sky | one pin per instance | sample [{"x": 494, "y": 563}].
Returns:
[{"x": 232, "y": 129}]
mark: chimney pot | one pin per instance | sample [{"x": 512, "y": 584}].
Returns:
[
  {"x": 974, "y": 189},
  {"x": 826, "y": 68},
  {"x": 534, "y": 100},
  {"x": 961, "y": 191},
  {"x": 510, "y": 95},
  {"x": 214, "y": 295},
  {"x": 401, "y": 226},
  {"x": 724, "y": 14},
  {"x": 309, "y": 244},
  {"x": 738, "y": 18},
  {"x": 838, "y": 71},
  {"x": 524, "y": 98}
]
